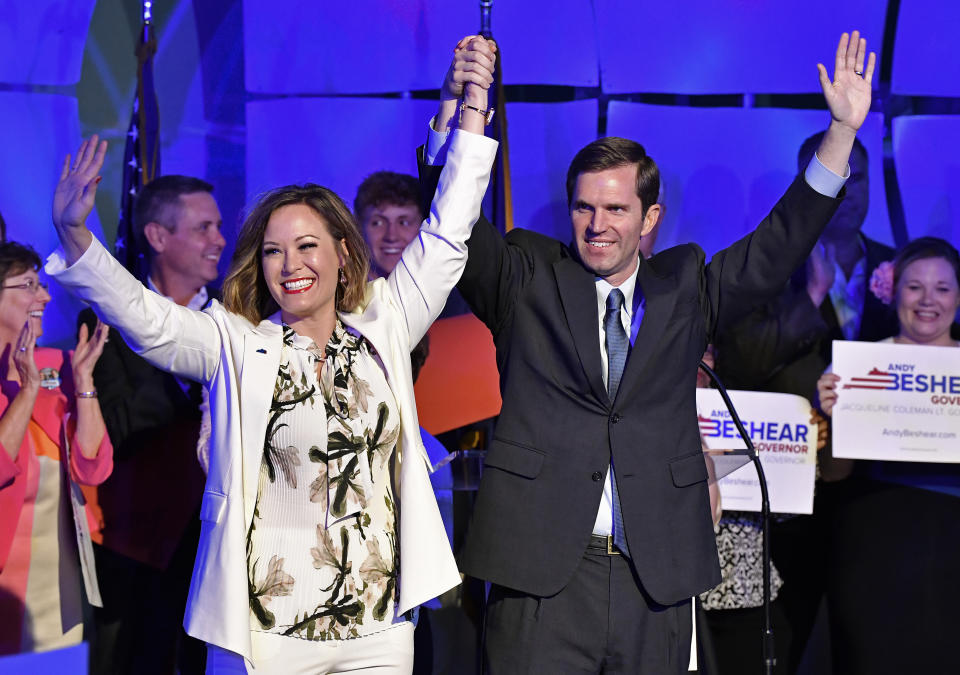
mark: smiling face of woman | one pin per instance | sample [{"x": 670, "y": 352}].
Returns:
[
  {"x": 301, "y": 264},
  {"x": 21, "y": 299},
  {"x": 927, "y": 301}
]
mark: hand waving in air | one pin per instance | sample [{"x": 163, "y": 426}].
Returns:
[
  {"x": 848, "y": 95},
  {"x": 74, "y": 196}
]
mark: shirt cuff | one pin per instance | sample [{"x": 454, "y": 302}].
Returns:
[
  {"x": 437, "y": 144},
  {"x": 56, "y": 262},
  {"x": 822, "y": 179}
]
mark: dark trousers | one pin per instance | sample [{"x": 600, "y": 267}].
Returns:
[
  {"x": 894, "y": 595},
  {"x": 801, "y": 549},
  {"x": 140, "y": 627},
  {"x": 736, "y": 636},
  {"x": 601, "y": 622}
]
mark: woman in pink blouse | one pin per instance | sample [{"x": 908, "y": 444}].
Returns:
[{"x": 50, "y": 425}]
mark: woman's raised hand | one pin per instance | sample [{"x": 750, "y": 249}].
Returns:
[
  {"x": 86, "y": 353},
  {"x": 24, "y": 361},
  {"x": 74, "y": 196},
  {"x": 827, "y": 392}
]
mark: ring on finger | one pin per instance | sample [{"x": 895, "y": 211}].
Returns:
[{"x": 858, "y": 73}]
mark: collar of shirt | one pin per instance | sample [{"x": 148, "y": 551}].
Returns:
[
  {"x": 631, "y": 314},
  {"x": 197, "y": 302},
  {"x": 847, "y": 296},
  {"x": 633, "y": 303}
]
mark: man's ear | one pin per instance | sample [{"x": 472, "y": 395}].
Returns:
[
  {"x": 650, "y": 220},
  {"x": 157, "y": 236}
]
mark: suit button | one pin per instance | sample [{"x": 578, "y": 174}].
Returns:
[
  {"x": 596, "y": 476},
  {"x": 615, "y": 417}
]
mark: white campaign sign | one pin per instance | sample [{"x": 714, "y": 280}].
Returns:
[
  {"x": 779, "y": 426},
  {"x": 896, "y": 402}
]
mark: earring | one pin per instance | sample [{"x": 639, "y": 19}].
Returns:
[{"x": 343, "y": 278}]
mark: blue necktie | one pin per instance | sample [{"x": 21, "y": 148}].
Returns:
[{"x": 618, "y": 345}]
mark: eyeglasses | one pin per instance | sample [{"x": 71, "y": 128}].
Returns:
[{"x": 31, "y": 285}]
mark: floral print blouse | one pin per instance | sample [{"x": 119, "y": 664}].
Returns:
[
  {"x": 740, "y": 546},
  {"x": 322, "y": 552}
]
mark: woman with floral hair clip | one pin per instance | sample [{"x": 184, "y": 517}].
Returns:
[{"x": 895, "y": 591}]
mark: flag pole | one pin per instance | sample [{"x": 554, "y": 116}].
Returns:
[
  {"x": 503, "y": 191},
  {"x": 147, "y": 109},
  {"x": 141, "y": 154}
]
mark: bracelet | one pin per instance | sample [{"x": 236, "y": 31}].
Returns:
[
  {"x": 87, "y": 394},
  {"x": 487, "y": 114}
]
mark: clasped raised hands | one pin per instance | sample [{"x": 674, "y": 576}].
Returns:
[{"x": 470, "y": 74}]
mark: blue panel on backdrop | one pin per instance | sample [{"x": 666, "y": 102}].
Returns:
[
  {"x": 709, "y": 47},
  {"x": 544, "y": 137},
  {"x": 335, "y": 142},
  {"x": 71, "y": 660},
  {"x": 925, "y": 59},
  {"x": 39, "y": 130},
  {"x": 371, "y": 46},
  {"x": 724, "y": 168},
  {"x": 928, "y": 172},
  {"x": 41, "y": 41}
]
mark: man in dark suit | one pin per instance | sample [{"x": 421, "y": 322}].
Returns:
[
  {"x": 150, "y": 502},
  {"x": 784, "y": 346},
  {"x": 593, "y": 520}
]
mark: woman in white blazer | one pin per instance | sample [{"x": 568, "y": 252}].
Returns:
[{"x": 284, "y": 296}]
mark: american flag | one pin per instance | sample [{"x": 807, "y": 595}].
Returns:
[{"x": 141, "y": 156}]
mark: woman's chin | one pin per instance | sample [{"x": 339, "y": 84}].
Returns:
[
  {"x": 928, "y": 337},
  {"x": 37, "y": 325}
]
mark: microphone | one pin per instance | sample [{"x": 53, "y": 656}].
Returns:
[{"x": 769, "y": 659}]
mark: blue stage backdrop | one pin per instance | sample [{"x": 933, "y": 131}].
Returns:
[{"x": 256, "y": 93}]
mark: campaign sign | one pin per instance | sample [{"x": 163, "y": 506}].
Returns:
[
  {"x": 786, "y": 442},
  {"x": 896, "y": 402}
]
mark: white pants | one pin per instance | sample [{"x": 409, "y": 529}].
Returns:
[{"x": 389, "y": 652}]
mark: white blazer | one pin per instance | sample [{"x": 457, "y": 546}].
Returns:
[{"x": 238, "y": 363}]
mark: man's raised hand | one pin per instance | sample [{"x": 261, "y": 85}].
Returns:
[
  {"x": 848, "y": 95},
  {"x": 469, "y": 76}
]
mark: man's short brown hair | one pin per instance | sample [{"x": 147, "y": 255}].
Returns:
[
  {"x": 613, "y": 152},
  {"x": 386, "y": 187}
]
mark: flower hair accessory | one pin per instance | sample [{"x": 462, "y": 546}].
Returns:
[{"x": 881, "y": 282}]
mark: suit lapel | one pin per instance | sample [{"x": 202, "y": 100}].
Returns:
[
  {"x": 660, "y": 298},
  {"x": 261, "y": 362},
  {"x": 578, "y": 295}
]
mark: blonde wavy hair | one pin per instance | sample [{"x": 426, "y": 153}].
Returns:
[{"x": 245, "y": 290}]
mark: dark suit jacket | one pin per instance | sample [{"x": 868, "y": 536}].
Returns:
[
  {"x": 786, "y": 344},
  {"x": 557, "y": 430},
  {"x": 154, "y": 493}
]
